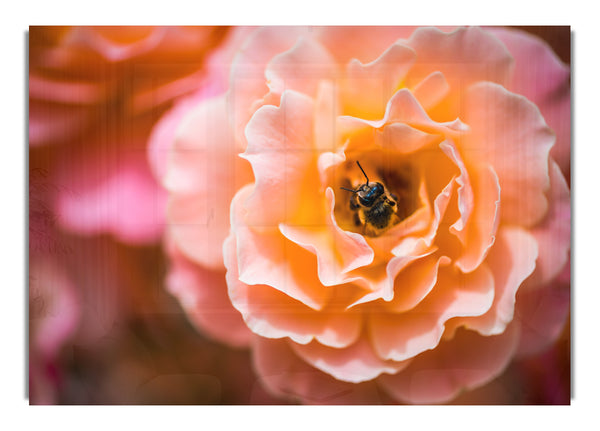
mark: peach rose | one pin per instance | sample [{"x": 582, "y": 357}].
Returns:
[{"x": 374, "y": 208}]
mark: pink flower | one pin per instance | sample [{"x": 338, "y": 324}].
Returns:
[
  {"x": 94, "y": 95},
  {"x": 455, "y": 273}
]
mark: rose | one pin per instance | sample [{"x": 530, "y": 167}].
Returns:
[
  {"x": 94, "y": 95},
  {"x": 194, "y": 182},
  {"x": 75, "y": 73},
  {"x": 465, "y": 278}
]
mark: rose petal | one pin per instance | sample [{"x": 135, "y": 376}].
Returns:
[
  {"x": 402, "y": 336},
  {"x": 402, "y": 107},
  {"x": 364, "y": 43},
  {"x": 203, "y": 295},
  {"x": 247, "y": 84},
  {"x": 544, "y": 79},
  {"x": 284, "y": 374},
  {"x": 301, "y": 68},
  {"x": 465, "y": 190},
  {"x": 204, "y": 155},
  {"x": 440, "y": 204},
  {"x": 542, "y": 314},
  {"x": 355, "y": 363},
  {"x": 479, "y": 236},
  {"x": 270, "y": 313},
  {"x": 366, "y": 88},
  {"x": 269, "y": 258},
  {"x": 203, "y": 174},
  {"x": 467, "y": 361},
  {"x": 511, "y": 260},
  {"x": 404, "y": 139},
  {"x": 379, "y": 283},
  {"x": 163, "y": 134},
  {"x": 463, "y": 56},
  {"x": 338, "y": 252},
  {"x": 265, "y": 256},
  {"x": 328, "y": 162},
  {"x": 553, "y": 234},
  {"x": 431, "y": 90},
  {"x": 326, "y": 112},
  {"x": 280, "y": 150},
  {"x": 509, "y": 133},
  {"x": 415, "y": 282}
]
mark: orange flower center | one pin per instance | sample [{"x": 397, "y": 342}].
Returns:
[{"x": 370, "y": 203}]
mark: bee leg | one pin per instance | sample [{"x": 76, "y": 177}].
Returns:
[{"x": 356, "y": 219}]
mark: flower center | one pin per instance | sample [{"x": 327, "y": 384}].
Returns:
[{"x": 372, "y": 197}]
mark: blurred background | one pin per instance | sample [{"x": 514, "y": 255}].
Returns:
[{"x": 102, "y": 328}]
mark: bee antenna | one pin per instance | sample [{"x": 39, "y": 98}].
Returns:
[
  {"x": 350, "y": 190},
  {"x": 363, "y": 171}
]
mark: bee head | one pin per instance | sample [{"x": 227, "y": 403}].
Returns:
[{"x": 367, "y": 193}]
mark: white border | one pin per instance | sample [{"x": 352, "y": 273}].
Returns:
[{"x": 586, "y": 217}]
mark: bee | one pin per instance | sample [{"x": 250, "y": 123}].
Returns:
[{"x": 374, "y": 206}]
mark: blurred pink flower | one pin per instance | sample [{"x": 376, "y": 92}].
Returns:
[
  {"x": 94, "y": 95},
  {"x": 78, "y": 73}
]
